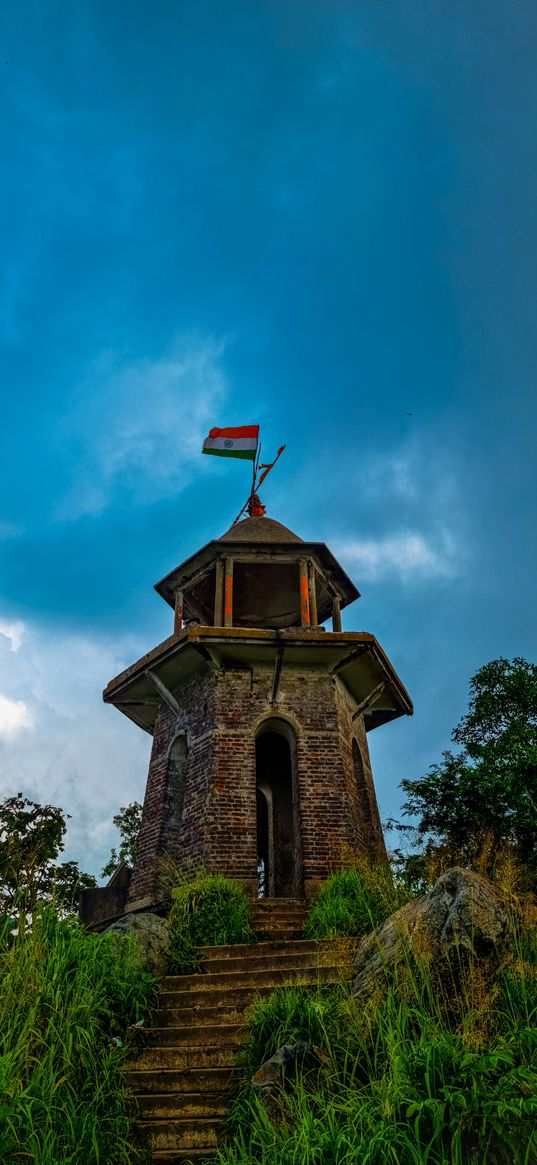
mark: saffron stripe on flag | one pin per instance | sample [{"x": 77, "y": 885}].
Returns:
[{"x": 237, "y": 432}]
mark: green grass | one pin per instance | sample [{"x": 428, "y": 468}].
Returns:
[
  {"x": 288, "y": 1015},
  {"x": 354, "y": 902},
  {"x": 66, "y": 1000},
  {"x": 207, "y": 910},
  {"x": 415, "y": 1076}
]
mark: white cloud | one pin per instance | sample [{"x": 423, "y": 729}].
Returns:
[
  {"x": 12, "y": 631},
  {"x": 397, "y": 475},
  {"x": 408, "y": 555},
  {"x": 81, "y": 755},
  {"x": 139, "y": 425},
  {"x": 14, "y": 718}
]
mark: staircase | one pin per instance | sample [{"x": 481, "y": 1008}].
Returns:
[{"x": 182, "y": 1080}]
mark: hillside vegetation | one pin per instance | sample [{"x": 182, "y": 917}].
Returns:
[
  {"x": 67, "y": 999},
  {"x": 431, "y": 1070}
]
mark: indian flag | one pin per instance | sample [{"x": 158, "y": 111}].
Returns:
[{"x": 240, "y": 442}]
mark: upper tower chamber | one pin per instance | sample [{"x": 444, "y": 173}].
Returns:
[{"x": 259, "y": 574}]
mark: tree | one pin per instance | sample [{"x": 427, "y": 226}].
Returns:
[
  {"x": 31, "y": 838},
  {"x": 488, "y": 790},
  {"x": 128, "y": 821},
  {"x": 67, "y": 883}
]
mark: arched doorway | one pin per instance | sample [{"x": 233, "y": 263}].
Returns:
[{"x": 278, "y": 846}]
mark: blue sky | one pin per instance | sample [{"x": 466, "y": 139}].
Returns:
[{"x": 318, "y": 216}]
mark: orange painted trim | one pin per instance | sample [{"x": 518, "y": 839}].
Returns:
[
  {"x": 304, "y": 601},
  {"x": 228, "y": 598}
]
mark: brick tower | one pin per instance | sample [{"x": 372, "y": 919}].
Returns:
[{"x": 260, "y": 767}]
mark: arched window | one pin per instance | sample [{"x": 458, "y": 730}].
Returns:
[{"x": 175, "y": 792}]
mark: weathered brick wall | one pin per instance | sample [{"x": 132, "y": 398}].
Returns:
[
  {"x": 362, "y": 796},
  {"x": 159, "y": 832},
  {"x": 232, "y": 804},
  {"x": 221, "y": 712}
]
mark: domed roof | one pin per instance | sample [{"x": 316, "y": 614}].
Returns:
[{"x": 259, "y": 530}]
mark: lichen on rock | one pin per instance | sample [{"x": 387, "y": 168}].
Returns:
[
  {"x": 463, "y": 914},
  {"x": 150, "y": 932}
]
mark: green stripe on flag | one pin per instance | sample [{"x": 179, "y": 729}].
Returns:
[{"x": 244, "y": 454}]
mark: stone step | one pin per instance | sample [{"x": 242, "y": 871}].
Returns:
[
  {"x": 294, "y": 957},
  {"x": 237, "y": 999},
  {"x": 278, "y": 915},
  {"x": 226, "y": 1003},
  {"x": 201, "y": 1016},
  {"x": 181, "y": 1106},
  {"x": 237, "y": 995},
  {"x": 187, "y": 1157},
  {"x": 262, "y": 950},
  {"x": 182, "y": 1080},
  {"x": 268, "y": 919},
  {"x": 194, "y": 1035},
  {"x": 277, "y": 903},
  {"x": 279, "y": 927},
  {"x": 262, "y": 923},
  {"x": 204, "y": 1056},
  {"x": 194, "y": 985},
  {"x": 181, "y": 1134},
  {"x": 291, "y": 933}
]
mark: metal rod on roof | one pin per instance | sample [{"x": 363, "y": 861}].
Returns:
[{"x": 253, "y": 504}]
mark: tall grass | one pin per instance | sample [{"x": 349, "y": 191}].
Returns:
[
  {"x": 288, "y": 1015},
  {"x": 207, "y": 910},
  {"x": 415, "y": 1077},
  {"x": 354, "y": 902},
  {"x": 66, "y": 1000}
]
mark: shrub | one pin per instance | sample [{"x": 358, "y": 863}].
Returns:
[
  {"x": 208, "y": 910},
  {"x": 354, "y": 902},
  {"x": 66, "y": 1000}
]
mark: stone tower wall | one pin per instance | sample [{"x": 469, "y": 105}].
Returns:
[{"x": 222, "y": 710}]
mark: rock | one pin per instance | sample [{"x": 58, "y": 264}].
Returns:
[
  {"x": 150, "y": 933},
  {"x": 271, "y": 1078},
  {"x": 463, "y": 912}
]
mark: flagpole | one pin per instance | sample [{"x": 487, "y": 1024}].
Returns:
[{"x": 256, "y": 467}]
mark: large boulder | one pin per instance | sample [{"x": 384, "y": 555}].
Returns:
[
  {"x": 275, "y": 1075},
  {"x": 464, "y": 914},
  {"x": 150, "y": 933}
]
